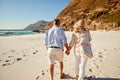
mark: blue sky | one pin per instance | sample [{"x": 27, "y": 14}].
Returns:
[{"x": 17, "y": 14}]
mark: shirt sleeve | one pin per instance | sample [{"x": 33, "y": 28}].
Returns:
[
  {"x": 64, "y": 39},
  {"x": 46, "y": 38},
  {"x": 72, "y": 40}
]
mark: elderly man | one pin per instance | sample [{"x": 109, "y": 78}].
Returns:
[{"x": 55, "y": 41}]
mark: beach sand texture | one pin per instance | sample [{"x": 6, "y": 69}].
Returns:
[{"x": 25, "y": 58}]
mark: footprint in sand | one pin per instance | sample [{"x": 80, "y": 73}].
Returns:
[
  {"x": 115, "y": 48},
  {"x": 100, "y": 52},
  {"x": 37, "y": 77},
  {"x": 43, "y": 73},
  {"x": 12, "y": 51},
  {"x": 24, "y": 55},
  {"x": 90, "y": 70},
  {"x": 100, "y": 60},
  {"x": 7, "y": 60},
  {"x": 104, "y": 49},
  {"x": 10, "y": 56},
  {"x": 3, "y": 53},
  {"x": 96, "y": 65},
  {"x": 5, "y": 64},
  {"x": 35, "y": 52},
  {"x": 118, "y": 67},
  {"x": 18, "y": 59},
  {"x": 100, "y": 56},
  {"x": 94, "y": 60}
]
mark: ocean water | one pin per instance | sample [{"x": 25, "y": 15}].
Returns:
[{"x": 17, "y": 32}]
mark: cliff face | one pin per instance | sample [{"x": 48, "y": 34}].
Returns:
[{"x": 99, "y": 14}]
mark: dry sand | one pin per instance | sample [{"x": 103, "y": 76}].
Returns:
[{"x": 25, "y": 58}]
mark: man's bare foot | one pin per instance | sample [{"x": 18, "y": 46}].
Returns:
[{"x": 62, "y": 76}]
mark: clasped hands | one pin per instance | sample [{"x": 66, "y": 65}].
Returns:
[{"x": 67, "y": 52}]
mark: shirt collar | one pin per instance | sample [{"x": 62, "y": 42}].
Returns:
[{"x": 55, "y": 26}]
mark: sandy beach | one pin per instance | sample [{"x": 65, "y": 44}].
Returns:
[{"x": 25, "y": 58}]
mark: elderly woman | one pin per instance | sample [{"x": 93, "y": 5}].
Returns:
[{"x": 82, "y": 48}]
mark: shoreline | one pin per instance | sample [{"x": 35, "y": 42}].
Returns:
[{"x": 44, "y": 32}]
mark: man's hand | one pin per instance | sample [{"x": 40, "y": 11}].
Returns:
[{"x": 67, "y": 52}]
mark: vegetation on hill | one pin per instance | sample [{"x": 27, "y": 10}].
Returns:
[{"x": 99, "y": 14}]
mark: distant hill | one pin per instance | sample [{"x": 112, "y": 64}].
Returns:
[
  {"x": 99, "y": 14},
  {"x": 36, "y": 26}
]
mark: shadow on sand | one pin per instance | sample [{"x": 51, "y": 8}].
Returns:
[
  {"x": 91, "y": 78},
  {"x": 67, "y": 76},
  {"x": 103, "y": 79}
]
